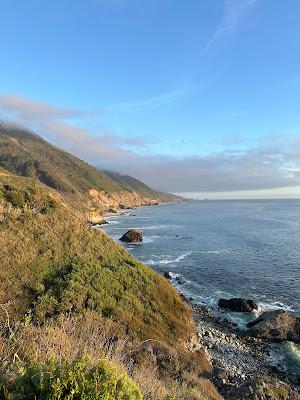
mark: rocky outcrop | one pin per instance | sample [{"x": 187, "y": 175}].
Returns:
[
  {"x": 264, "y": 388},
  {"x": 132, "y": 236},
  {"x": 167, "y": 275},
  {"x": 95, "y": 218},
  {"x": 276, "y": 325},
  {"x": 104, "y": 200},
  {"x": 238, "y": 304}
]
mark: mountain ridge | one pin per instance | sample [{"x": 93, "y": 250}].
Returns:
[{"x": 24, "y": 153}]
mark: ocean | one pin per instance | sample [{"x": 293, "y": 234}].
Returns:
[{"x": 214, "y": 249}]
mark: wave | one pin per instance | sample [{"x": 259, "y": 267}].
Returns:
[
  {"x": 113, "y": 221},
  {"x": 167, "y": 261},
  {"x": 276, "y": 305},
  {"x": 150, "y": 227}
]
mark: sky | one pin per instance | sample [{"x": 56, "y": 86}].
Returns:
[{"x": 194, "y": 97}]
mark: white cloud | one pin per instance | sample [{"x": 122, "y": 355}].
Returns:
[
  {"x": 233, "y": 12},
  {"x": 26, "y": 109},
  {"x": 272, "y": 165},
  {"x": 154, "y": 101}
]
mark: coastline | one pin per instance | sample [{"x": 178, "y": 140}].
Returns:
[{"x": 237, "y": 358}]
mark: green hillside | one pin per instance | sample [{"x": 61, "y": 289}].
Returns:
[
  {"x": 53, "y": 261},
  {"x": 26, "y": 154},
  {"x": 80, "y": 317},
  {"x": 75, "y": 303}
]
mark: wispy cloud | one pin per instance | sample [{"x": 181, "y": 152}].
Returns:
[
  {"x": 273, "y": 163},
  {"x": 53, "y": 123},
  {"x": 154, "y": 101},
  {"x": 233, "y": 12}
]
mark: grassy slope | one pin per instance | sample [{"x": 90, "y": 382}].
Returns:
[
  {"x": 26, "y": 154},
  {"x": 53, "y": 261}
]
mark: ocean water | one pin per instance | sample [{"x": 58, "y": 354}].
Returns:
[
  {"x": 222, "y": 248},
  {"x": 227, "y": 249}
]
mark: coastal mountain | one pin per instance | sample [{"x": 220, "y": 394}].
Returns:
[
  {"x": 81, "y": 317},
  {"x": 26, "y": 154},
  {"x": 73, "y": 301},
  {"x": 132, "y": 184}
]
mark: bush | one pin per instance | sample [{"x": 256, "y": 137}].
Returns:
[
  {"x": 15, "y": 196},
  {"x": 49, "y": 205},
  {"x": 75, "y": 381}
]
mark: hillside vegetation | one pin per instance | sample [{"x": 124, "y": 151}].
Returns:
[
  {"x": 62, "y": 285},
  {"x": 59, "y": 264},
  {"x": 80, "y": 318},
  {"x": 26, "y": 154}
]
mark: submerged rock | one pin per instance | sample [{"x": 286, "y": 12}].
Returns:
[
  {"x": 132, "y": 236},
  {"x": 276, "y": 325},
  {"x": 238, "y": 304}
]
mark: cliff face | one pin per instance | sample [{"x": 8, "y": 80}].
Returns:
[{"x": 121, "y": 199}]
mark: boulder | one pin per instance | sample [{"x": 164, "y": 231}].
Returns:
[
  {"x": 263, "y": 388},
  {"x": 102, "y": 222},
  {"x": 132, "y": 236},
  {"x": 238, "y": 304},
  {"x": 167, "y": 275},
  {"x": 276, "y": 325}
]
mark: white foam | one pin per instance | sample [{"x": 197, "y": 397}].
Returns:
[
  {"x": 264, "y": 306},
  {"x": 176, "y": 260},
  {"x": 113, "y": 221},
  {"x": 154, "y": 227}
]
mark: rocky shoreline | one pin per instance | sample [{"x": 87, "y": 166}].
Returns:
[
  {"x": 244, "y": 366},
  {"x": 237, "y": 359}
]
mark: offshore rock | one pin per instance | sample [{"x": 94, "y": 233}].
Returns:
[
  {"x": 132, "y": 236},
  {"x": 238, "y": 304}
]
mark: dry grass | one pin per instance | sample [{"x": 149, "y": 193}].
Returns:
[
  {"x": 40, "y": 251},
  {"x": 158, "y": 369}
]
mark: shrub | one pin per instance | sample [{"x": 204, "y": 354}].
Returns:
[
  {"x": 15, "y": 196},
  {"x": 50, "y": 204},
  {"x": 75, "y": 381}
]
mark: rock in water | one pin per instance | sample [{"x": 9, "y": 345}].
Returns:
[
  {"x": 167, "y": 275},
  {"x": 238, "y": 304},
  {"x": 132, "y": 236},
  {"x": 276, "y": 325}
]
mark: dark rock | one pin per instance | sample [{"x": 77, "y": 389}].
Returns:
[
  {"x": 102, "y": 222},
  {"x": 112, "y": 210},
  {"x": 132, "y": 236},
  {"x": 167, "y": 275},
  {"x": 276, "y": 325},
  {"x": 238, "y": 304},
  {"x": 184, "y": 298},
  {"x": 263, "y": 388}
]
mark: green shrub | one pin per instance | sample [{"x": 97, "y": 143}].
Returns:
[
  {"x": 75, "y": 381},
  {"x": 15, "y": 196},
  {"x": 50, "y": 204}
]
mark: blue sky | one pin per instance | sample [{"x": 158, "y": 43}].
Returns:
[{"x": 208, "y": 89}]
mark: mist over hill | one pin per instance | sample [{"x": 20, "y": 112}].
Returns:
[{"x": 26, "y": 154}]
